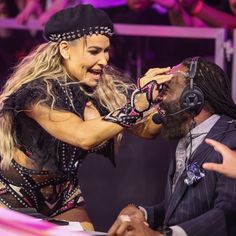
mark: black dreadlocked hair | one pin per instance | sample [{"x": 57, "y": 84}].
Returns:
[{"x": 215, "y": 85}]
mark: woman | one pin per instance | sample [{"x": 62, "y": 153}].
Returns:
[{"x": 61, "y": 102}]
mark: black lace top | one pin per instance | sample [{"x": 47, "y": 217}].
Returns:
[
  {"x": 34, "y": 141},
  {"x": 53, "y": 188}
]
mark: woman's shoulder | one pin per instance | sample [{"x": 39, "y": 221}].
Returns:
[
  {"x": 39, "y": 89},
  {"x": 42, "y": 84},
  {"x": 25, "y": 94}
]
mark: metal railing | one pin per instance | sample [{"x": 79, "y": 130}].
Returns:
[{"x": 217, "y": 34}]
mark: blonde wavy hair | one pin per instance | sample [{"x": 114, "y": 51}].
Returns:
[{"x": 46, "y": 62}]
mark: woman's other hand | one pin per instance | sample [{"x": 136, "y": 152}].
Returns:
[{"x": 160, "y": 75}]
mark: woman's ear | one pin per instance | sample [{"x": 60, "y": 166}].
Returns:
[{"x": 64, "y": 49}]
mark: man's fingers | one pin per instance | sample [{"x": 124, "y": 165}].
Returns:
[
  {"x": 124, "y": 218},
  {"x": 214, "y": 167},
  {"x": 146, "y": 223},
  {"x": 116, "y": 226},
  {"x": 120, "y": 228},
  {"x": 125, "y": 226}
]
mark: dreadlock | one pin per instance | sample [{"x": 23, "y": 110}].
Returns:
[{"x": 215, "y": 85}]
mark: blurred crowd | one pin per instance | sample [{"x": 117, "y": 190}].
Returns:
[{"x": 133, "y": 55}]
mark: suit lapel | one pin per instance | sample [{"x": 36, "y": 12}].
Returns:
[
  {"x": 216, "y": 133},
  {"x": 169, "y": 180},
  {"x": 175, "y": 198},
  {"x": 199, "y": 157},
  {"x": 171, "y": 172}
]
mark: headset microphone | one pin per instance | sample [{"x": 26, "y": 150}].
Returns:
[
  {"x": 191, "y": 100},
  {"x": 158, "y": 117}
]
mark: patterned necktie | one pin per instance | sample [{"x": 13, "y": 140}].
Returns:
[{"x": 181, "y": 158}]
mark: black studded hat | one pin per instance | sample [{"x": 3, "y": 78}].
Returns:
[{"x": 75, "y": 22}]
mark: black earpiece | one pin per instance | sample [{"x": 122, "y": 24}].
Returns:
[{"x": 192, "y": 98}]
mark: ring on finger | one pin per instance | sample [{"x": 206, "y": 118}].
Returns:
[{"x": 124, "y": 218}]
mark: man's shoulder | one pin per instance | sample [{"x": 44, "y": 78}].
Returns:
[
  {"x": 226, "y": 122},
  {"x": 227, "y": 131},
  {"x": 226, "y": 117}
]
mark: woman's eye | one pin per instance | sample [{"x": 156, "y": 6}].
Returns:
[{"x": 94, "y": 52}]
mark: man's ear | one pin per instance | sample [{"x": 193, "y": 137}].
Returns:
[{"x": 64, "y": 49}]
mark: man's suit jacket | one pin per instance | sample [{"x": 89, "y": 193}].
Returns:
[{"x": 209, "y": 207}]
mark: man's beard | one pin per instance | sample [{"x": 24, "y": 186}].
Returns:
[{"x": 176, "y": 126}]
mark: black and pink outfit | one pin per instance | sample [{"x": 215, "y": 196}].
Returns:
[{"x": 53, "y": 187}]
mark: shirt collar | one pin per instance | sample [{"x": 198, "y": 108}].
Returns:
[{"x": 206, "y": 125}]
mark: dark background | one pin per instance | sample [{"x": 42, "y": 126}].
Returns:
[{"x": 139, "y": 178}]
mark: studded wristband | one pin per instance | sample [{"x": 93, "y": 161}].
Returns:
[
  {"x": 132, "y": 112},
  {"x": 126, "y": 116}
]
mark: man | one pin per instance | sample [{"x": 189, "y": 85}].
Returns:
[{"x": 198, "y": 105}]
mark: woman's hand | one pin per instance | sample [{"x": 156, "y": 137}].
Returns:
[
  {"x": 158, "y": 74},
  {"x": 151, "y": 85}
]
